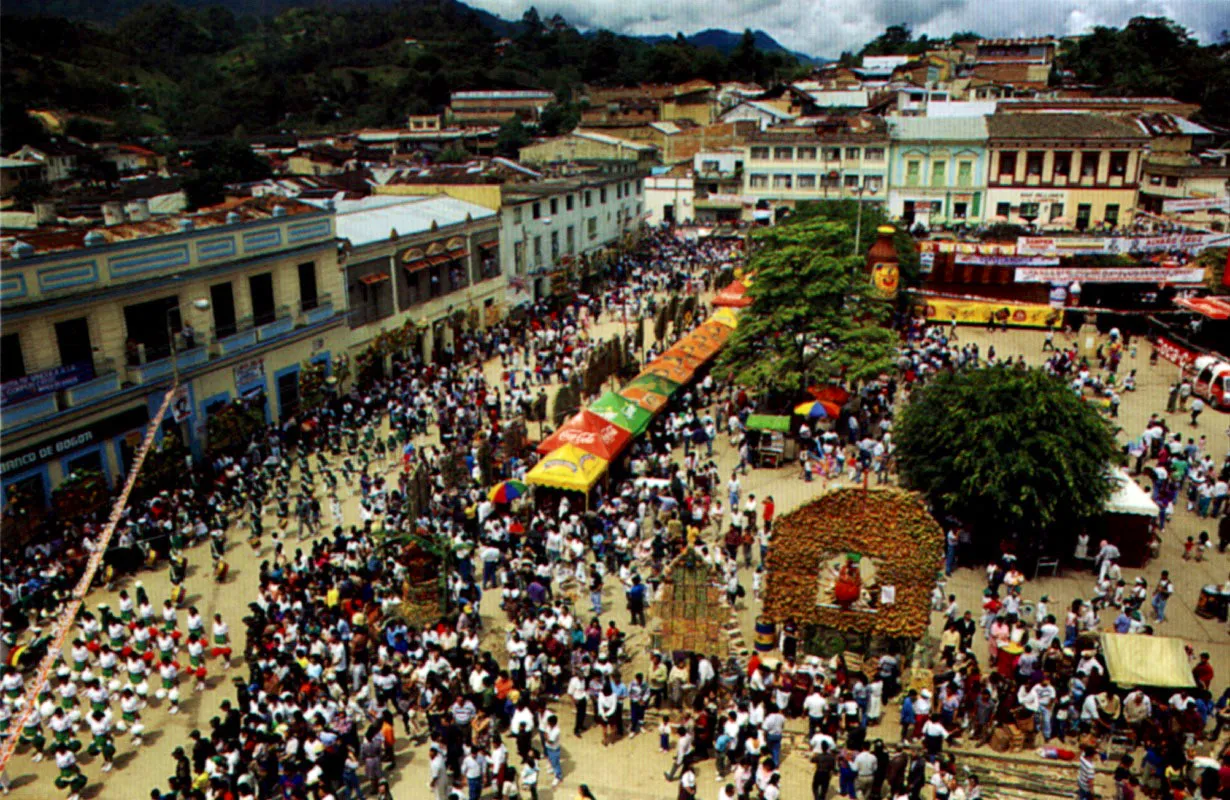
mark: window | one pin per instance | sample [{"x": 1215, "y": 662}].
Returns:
[
  {"x": 537, "y": 251},
  {"x": 1084, "y": 212},
  {"x": 959, "y": 210},
  {"x": 781, "y": 182},
  {"x": 708, "y": 166},
  {"x": 222, "y": 302},
  {"x": 965, "y": 173},
  {"x": 832, "y": 154},
  {"x": 830, "y": 180},
  {"x": 913, "y": 172},
  {"x": 589, "y": 198},
  {"x": 554, "y": 206},
  {"x": 1056, "y": 211},
  {"x": 1119, "y": 163},
  {"x": 759, "y": 152},
  {"x": 536, "y": 211},
  {"x": 1007, "y": 165},
  {"x": 554, "y": 246},
  {"x": 938, "y": 170},
  {"x": 517, "y": 215},
  {"x": 261, "y": 287},
  {"x": 758, "y": 181},
  {"x": 873, "y": 183},
  {"x": 1156, "y": 180},
  {"x": 570, "y": 240},
  {"x": 851, "y": 181},
  {"x": 1003, "y": 210},
  {"x": 852, "y": 153},
  {"x": 807, "y": 154},
  {"x": 602, "y": 195},
  {"x": 1062, "y": 164},
  {"x": 308, "y": 298},
  {"x": 873, "y": 154},
  {"x": 619, "y": 191},
  {"x": 370, "y": 291},
  {"x": 591, "y": 226},
  {"x": 1028, "y": 211},
  {"x": 1089, "y": 164},
  {"x": 73, "y": 340},
  {"x": 519, "y": 258},
  {"x": 783, "y": 153},
  {"x": 489, "y": 262},
  {"x": 1112, "y": 214},
  {"x": 1172, "y": 181},
  {"x": 638, "y": 187},
  {"x": 1033, "y": 162},
  {"x": 12, "y": 363},
  {"x": 568, "y": 203},
  {"x": 807, "y": 182}
]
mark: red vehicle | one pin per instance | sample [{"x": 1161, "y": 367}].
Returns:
[{"x": 1211, "y": 381}]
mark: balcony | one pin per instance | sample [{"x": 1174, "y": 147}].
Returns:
[
  {"x": 233, "y": 338},
  {"x": 106, "y": 382},
  {"x": 283, "y": 322},
  {"x": 32, "y": 410},
  {"x": 311, "y": 313},
  {"x": 162, "y": 367}
]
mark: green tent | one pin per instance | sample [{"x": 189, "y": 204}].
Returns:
[
  {"x": 768, "y": 422},
  {"x": 651, "y": 382},
  {"x": 622, "y": 412}
]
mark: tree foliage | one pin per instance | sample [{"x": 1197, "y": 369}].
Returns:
[
  {"x": 1007, "y": 451},
  {"x": 811, "y": 317}
]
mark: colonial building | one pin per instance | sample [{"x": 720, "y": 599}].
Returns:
[
  {"x": 1064, "y": 170},
  {"x": 938, "y": 169},
  {"x": 584, "y": 145},
  {"x": 831, "y": 158},
  {"x": 97, "y": 321},
  {"x": 497, "y": 106},
  {"x": 1190, "y": 188}
]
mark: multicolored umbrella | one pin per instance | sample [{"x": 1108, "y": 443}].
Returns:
[
  {"x": 817, "y": 409},
  {"x": 507, "y": 491}
]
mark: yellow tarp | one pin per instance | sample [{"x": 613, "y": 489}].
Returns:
[
  {"x": 725, "y": 316},
  {"x": 1149, "y": 661},
  {"x": 570, "y": 468}
]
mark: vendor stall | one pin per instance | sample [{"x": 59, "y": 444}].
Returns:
[
  {"x": 591, "y": 433},
  {"x": 769, "y": 437},
  {"x": 569, "y": 468},
  {"x": 1127, "y": 523},
  {"x": 623, "y": 412},
  {"x": 1148, "y": 662}
]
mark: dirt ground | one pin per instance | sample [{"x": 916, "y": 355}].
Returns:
[{"x": 632, "y": 769}]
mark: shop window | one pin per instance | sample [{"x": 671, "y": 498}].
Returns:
[
  {"x": 1056, "y": 211},
  {"x": 1003, "y": 209}
]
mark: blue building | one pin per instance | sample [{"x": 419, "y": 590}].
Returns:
[{"x": 937, "y": 169}]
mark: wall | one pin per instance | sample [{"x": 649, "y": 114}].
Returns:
[{"x": 481, "y": 194}]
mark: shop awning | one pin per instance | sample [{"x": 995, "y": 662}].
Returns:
[
  {"x": 701, "y": 348},
  {"x": 1211, "y": 307},
  {"x": 653, "y": 383},
  {"x": 591, "y": 433},
  {"x": 623, "y": 412},
  {"x": 734, "y": 295},
  {"x": 569, "y": 468},
  {"x": 1147, "y": 661},
  {"x": 1129, "y": 498},
  {"x": 669, "y": 369},
  {"x": 646, "y": 399},
  {"x": 684, "y": 357},
  {"x": 726, "y": 317},
  {"x": 416, "y": 264},
  {"x": 374, "y": 278},
  {"x": 768, "y": 422}
]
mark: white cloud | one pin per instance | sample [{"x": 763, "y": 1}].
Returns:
[{"x": 827, "y": 27}]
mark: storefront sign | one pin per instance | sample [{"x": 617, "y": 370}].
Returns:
[
  {"x": 978, "y": 248},
  {"x": 45, "y": 382},
  {"x": 1174, "y": 352},
  {"x": 62, "y": 445},
  {"x": 249, "y": 373},
  {"x": 1008, "y": 261},
  {"x": 181, "y": 405},
  {"x": 1074, "y": 246},
  {"x": 1041, "y": 197},
  {"x": 1110, "y": 275},
  {"x": 977, "y": 312},
  {"x": 1195, "y": 204}
]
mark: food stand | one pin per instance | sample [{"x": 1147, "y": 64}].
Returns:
[
  {"x": 771, "y": 445},
  {"x": 1128, "y": 520}
]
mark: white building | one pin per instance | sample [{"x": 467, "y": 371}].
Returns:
[
  {"x": 763, "y": 114},
  {"x": 669, "y": 196}
]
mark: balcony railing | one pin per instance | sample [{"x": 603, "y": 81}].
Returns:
[
  {"x": 106, "y": 381},
  {"x": 163, "y": 367},
  {"x": 282, "y": 322},
  {"x": 312, "y": 312}
]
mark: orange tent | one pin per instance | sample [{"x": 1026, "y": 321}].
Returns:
[
  {"x": 591, "y": 433},
  {"x": 671, "y": 369},
  {"x": 684, "y": 356},
  {"x": 647, "y": 399},
  {"x": 733, "y": 295}
]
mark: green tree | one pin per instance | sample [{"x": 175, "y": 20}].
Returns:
[
  {"x": 558, "y": 118},
  {"x": 1009, "y": 452},
  {"x": 512, "y": 137},
  {"x": 218, "y": 163},
  {"x": 811, "y": 317}
]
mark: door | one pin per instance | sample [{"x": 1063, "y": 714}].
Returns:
[
  {"x": 1083, "y": 213},
  {"x": 261, "y": 287},
  {"x": 222, "y": 300},
  {"x": 288, "y": 394},
  {"x": 73, "y": 339},
  {"x": 668, "y": 213},
  {"x": 307, "y": 286}
]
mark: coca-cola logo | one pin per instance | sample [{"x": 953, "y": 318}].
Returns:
[{"x": 1174, "y": 352}]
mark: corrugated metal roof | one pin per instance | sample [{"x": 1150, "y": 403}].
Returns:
[
  {"x": 940, "y": 129},
  {"x": 840, "y": 99},
  {"x": 502, "y": 94},
  {"x": 1075, "y": 125},
  {"x": 612, "y": 140},
  {"x": 373, "y": 219}
]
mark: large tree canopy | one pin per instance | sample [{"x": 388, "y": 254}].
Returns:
[
  {"x": 811, "y": 317},
  {"x": 1009, "y": 452}
]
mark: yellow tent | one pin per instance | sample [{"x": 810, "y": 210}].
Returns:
[
  {"x": 568, "y": 467},
  {"x": 726, "y": 316},
  {"x": 1149, "y": 661}
]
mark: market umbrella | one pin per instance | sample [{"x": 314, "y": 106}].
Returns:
[
  {"x": 818, "y": 409},
  {"x": 622, "y": 412},
  {"x": 829, "y": 394},
  {"x": 725, "y": 316},
  {"x": 591, "y": 433},
  {"x": 670, "y": 369},
  {"x": 507, "y": 491}
]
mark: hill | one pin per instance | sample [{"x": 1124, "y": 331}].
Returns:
[{"x": 725, "y": 42}]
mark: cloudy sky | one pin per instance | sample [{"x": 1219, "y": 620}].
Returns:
[{"x": 827, "y": 27}]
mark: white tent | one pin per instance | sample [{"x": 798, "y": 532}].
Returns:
[{"x": 1128, "y": 497}]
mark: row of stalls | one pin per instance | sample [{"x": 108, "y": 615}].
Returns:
[{"x": 579, "y": 455}]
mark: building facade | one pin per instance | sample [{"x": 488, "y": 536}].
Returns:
[
  {"x": 938, "y": 169},
  {"x": 97, "y": 322},
  {"x": 1064, "y": 170}
]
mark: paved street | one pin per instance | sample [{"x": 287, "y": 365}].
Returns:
[{"x": 633, "y": 769}]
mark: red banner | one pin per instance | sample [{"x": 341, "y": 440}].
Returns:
[{"x": 1174, "y": 352}]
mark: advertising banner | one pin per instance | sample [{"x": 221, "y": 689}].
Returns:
[
  {"x": 1007, "y": 261},
  {"x": 45, "y": 382},
  {"x": 1174, "y": 352},
  {"x": 977, "y": 312},
  {"x": 1110, "y": 274},
  {"x": 1194, "y": 204}
]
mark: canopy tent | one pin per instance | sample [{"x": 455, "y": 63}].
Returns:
[
  {"x": 677, "y": 355},
  {"x": 725, "y": 316},
  {"x": 1147, "y": 661},
  {"x": 623, "y": 412},
  {"x": 1211, "y": 307},
  {"x": 1128, "y": 497},
  {"x": 700, "y": 348},
  {"x": 569, "y": 468},
  {"x": 653, "y": 383},
  {"x": 734, "y": 295},
  {"x": 591, "y": 433},
  {"x": 671, "y": 369},
  {"x": 650, "y": 401},
  {"x": 768, "y": 422},
  {"x": 710, "y": 331}
]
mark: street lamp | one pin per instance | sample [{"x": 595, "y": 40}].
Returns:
[
  {"x": 200, "y": 304},
  {"x": 858, "y": 219}
]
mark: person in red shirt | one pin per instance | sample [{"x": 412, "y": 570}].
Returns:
[
  {"x": 1203, "y": 672},
  {"x": 769, "y": 508}
]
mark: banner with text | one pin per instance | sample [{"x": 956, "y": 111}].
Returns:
[
  {"x": 1110, "y": 275},
  {"x": 1174, "y": 352},
  {"x": 978, "y": 312},
  {"x": 1112, "y": 245}
]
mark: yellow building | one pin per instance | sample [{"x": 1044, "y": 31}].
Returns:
[
  {"x": 583, "y": 145},
  {"x": 97, "y": 322},
  {"x": 1064, "y": 170}
]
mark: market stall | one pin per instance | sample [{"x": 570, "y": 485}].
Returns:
[
  {"x": 1128, "y": 520},
  {"x": 591, "y": 433},
  {"x": 570, "y": 469},
  {"x": 622, "y": 412},
  {"x": 769, "y": 438},
  {"x": 1148, "y": 662}
]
